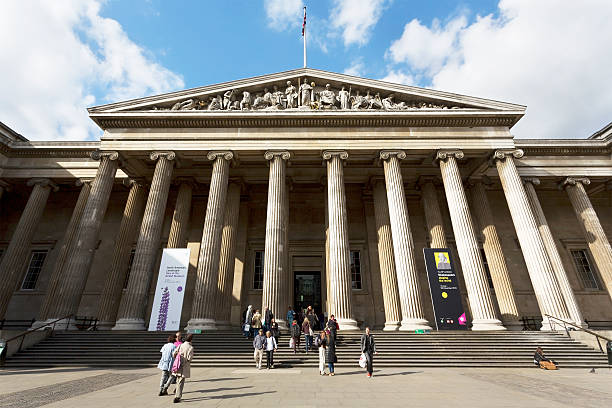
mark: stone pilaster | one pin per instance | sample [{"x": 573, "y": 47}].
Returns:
[
  {"x": 536, "y": 258},
  {"x": 386, "y": 258},
  {"x": 340, "y": 290},
  {"x": 403, "y": 244},
  {"x": 117, "y": 272},
  {"x": 180, "y": 218},
  {"x": 591, "y": 227},
  {"x": 274, "y": 279},
  {"x": 15, "y": 257},
  {"x": 433, "y": 215},
  {"x": 482, "y": 307},
  {"x": 134, "y": 301},
  {"x": 504, "y": 292},
  {"x": 80, "y": 256},
  {"x": 206, "y": 285},
  {"x": 228, "y": 255},
  {"x": 67, "y": 243}
]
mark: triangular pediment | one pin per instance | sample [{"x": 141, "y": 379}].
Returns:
[{"x": 305, "y": 89}]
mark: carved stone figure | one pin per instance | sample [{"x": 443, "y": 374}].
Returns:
[
  {"x": 305, "y": 93},
  {"x": 259, "y": 102},
  {"x": 376, "y": 103},
  {"x": 388, "y": 102},
  {"x": 278, "y": 98},
  {"x": 344, "y": 98},
  {"x": 245, "y": 103},
  {"x": 359, "y": 102},
  {"x": 291, "y": 95},
  {"x": 189, "y": 104},
  {"x": 327, "y": 98},
  {"x": 267, "y": 97},
  {"x": 228, "y": 98},
  {"x": 215, "y": 103}
]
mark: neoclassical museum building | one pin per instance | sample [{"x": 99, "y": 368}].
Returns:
[{"x": 307, "y": 187}]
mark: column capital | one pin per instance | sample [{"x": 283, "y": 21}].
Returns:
[
  {"x": 502, "y": 154},
  {"x": 223, "y": 154},
  {"x": 532, "y": 180},
  {"x": 328, "y": 154},
  {"x": 386, "y": 154},
  {"x": 43, "y": 182},
  {"x": 168, "y": 155},
  {"x": 271, "y": 154},
  {"x": 129, "y": 182},
  {"x": 99, "y": 154},
  {"x": 572, "y": 181},
  {"x": 445, "y": 154}
]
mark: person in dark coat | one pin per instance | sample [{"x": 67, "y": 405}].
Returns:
[
  {"x": 296, "y": 333},
  {"x": 330, "y": 353},
  {"x": 368, "y": 347},
  {"x": 275, "y": 330},
  {"x": 268, "y": 316},
  {"x": 332, "y": 326},
  {"x": 539, "y": 357}
]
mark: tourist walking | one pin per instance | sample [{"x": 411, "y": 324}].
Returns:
[
  {"x": 296, "y": 333},
  {"x": 185, "y": 353},
  {"x": 321, "y": 343},
  {"x": 312, "y": 318},
  {"x": 274, "y": 329},
  {"x": 330, "y": 353},
  {"x": 259, "y": 342},
  {"x": 270, "y": 349},
  {"x": 332, "y": 326},
  {"x": 256, "y": 322},
  {"x": 178, "y": 340},
  {"x": 247, "y": 322},
  {"x": 368, "y": 348},
  {"x": 307, "y": 334},
  {"x": 268, "y": 316},
  {"x": 165, "y": 363},
  {"x": 290, "y": 316}
]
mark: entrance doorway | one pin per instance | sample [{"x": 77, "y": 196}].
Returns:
[{"x": 307, "y": 290}]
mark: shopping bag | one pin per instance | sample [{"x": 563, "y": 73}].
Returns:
[
  {"x": 291, "y": 342},
  {"x": 363, "y": 360},
  {"x": 547, "y": 365},
  {"x": 247, "y": 327},
  {"x": 176, "y": 365}
]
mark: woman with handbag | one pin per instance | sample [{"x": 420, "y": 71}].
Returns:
[
  {"x": 321, "y": 343},
  {"x": 330, "y": 353},
  {"x": 307, "y": 333},
  {"x": 181, "y": 368}
]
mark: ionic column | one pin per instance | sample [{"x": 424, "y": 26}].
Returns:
[
  {"x": 433, "y": 215},
  {"x": 482, "y": 307},
  {"x": 67, "y": 243},
  {"x": 203, "y": 310},
  {"x": 553, "y": 254},
  {"x": 134, "y": 301},
  {"x": 540, "y": 270},
  {"x": 403, "y": 245},
  {"x": 273, "y": 295},
  {"x": 591, "y": 227},
  {"x": 117, "y": 272},
  {"x": 80, "y": 255},
  {"x": 506, "y": 299},
  {"x": 227, "y": 256},
  {"x": 340, "y": 292},
  {"x": 386, "y": 258},
  {"x": 180, "y": 217},
  {"x": 17, "y": 252}
]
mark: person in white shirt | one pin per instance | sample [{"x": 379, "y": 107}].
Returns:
[{"x": 270, "y": 349}]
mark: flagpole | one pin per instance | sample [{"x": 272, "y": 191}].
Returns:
[{"x": 304, "y": 36}]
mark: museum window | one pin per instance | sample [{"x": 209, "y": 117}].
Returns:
[
  {"x": 355, "y": 270},
  {"x": 258, "y": 270},
  {"x": 584, "y": 267},
  {"x": 130, "y": 262},
  {"x": 483, "y": 256},
  {"x": 37, "y": 259}
]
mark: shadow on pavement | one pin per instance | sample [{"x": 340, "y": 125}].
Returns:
[{"x": 228, "y": 396}]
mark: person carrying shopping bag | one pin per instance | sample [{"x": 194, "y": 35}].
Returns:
[{"x": 184, "y": 355}]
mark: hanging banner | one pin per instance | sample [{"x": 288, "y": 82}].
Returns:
[
  {"x": 170, "y": 290},
  {"x": 444, "y": 289}
]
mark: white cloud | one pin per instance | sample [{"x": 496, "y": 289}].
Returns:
[
  {"x": 283, "y": 14},
  {"x": 356, "y": 19},
  {"x": 356, "y": 68},
  {"x": 56, "y": 56},
  {"x": 399, "y": 77},
  {"x": 552, "y": 56}
]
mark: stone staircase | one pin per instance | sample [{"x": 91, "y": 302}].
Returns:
[{"x": 230, "y": 349}]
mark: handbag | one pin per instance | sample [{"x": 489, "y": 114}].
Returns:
[
  {"x": 363, "y": 360},
  {"x": 176, "y": 365},
  {"x": 291, "y": 342},
  {"x": 247, "y": 327}
]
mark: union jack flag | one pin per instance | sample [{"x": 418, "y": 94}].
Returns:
[{"x": 304, "y": 23}]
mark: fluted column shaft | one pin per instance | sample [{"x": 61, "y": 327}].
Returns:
[
  {"x": 180, "y": 218},
  {"x": 273, "y": 295},
  {"x": 553, "y": 253},
  {"x": 203, "y": 309},
  {"x": 17, "y": 252},
  {"x": 591, "y": 228},
  {"x": 134, "y": 301},
  {"x": 116, "y": 275},
  {"x": 482, "y": 307},
  {"x": 80, "y": 256},
  {"x": 403, "y": 245},
  {"x": 386, "y": 258},
  {"x": 504, "y": 292},
  {"x": 433, "y": 216},
  {"x": 67, "y": 242},
  {"x": 540, "y": 270},
  {"x": 340, "y": 291},
  {"x": 228, "y": 255}
]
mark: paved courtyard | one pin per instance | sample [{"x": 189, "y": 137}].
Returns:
[{"x": 235, "y": 387}]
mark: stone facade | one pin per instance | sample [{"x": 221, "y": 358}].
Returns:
[{"x": 323, "y": 194}]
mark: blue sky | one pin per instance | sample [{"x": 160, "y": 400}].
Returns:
[{"x": 551, "y": 55}]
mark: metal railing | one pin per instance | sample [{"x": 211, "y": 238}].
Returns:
[
  {"x": 576, "y": 327},
  {"x": 52, "y": 324},
  {"x": 14, "y": 324}
]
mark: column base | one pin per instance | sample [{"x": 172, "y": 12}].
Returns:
[
  {"x": 513, "y": 325},
  {"x": 391, "y": 326},
  {"x": 222, "y": 325},
  {"x": 347, "y": 324},
  {"x": 129, "y": 324},
  {"x": 63, "y": 324},
  {"x": 201, "y": 324},
  {"x": 487, "y": 325},
  {"x": 546, "y": 324},
  {"x": 414, "y": 324},
  {"x": 108, "y": 325}
]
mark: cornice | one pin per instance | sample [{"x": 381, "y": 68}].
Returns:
[{"x": 50, "y": 149}]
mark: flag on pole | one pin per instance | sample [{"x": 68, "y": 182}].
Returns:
[{"x": 304, "y": 23}]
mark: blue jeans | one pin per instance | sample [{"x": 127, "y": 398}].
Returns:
[
  {"x": 331, "y": 367},
  {"x": 308, "y": 341}
]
